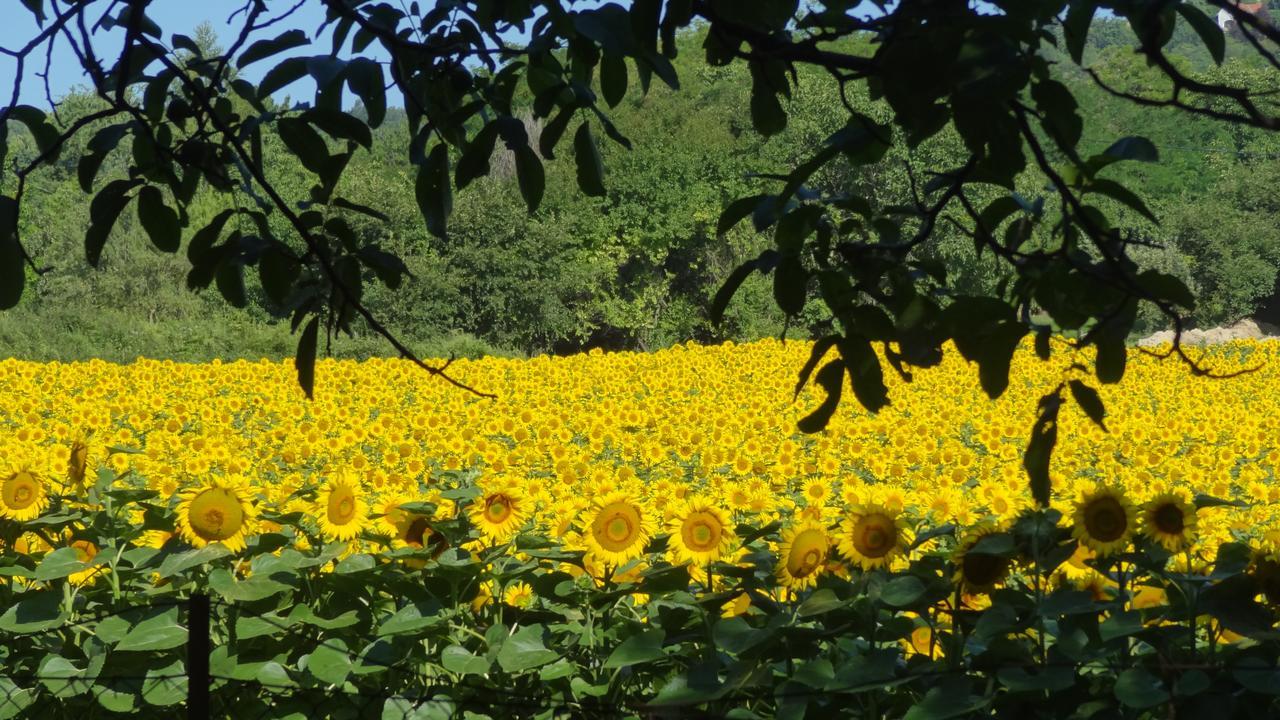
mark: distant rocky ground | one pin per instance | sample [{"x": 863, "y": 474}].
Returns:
[{"x": 1247, "y": 329}]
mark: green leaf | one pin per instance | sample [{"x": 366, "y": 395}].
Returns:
[
  {"x": 1044, "y": 435},
  {"x": 1133, "y": 147},
  {"x": 1111, "y": 358},
  {"x": 59, "y": 564},
  {"x": 613, "y": 78},
  {"x": 364, "y": 79},
  {"x": 286, "y": 72},
  {"x": 531, "y": 176},
  {"x": 1168, "y": 287},
  {"x": 820, "y": 602},
  {"x": 434, "y": 193},
  {"x": 1215, "y": 41},
  {"x": 790, "y": 285},
  {"x": 87, "y": 170},
  {"x": 587, "y": 157},
  {"x": 37, "y": 122},
  {"x": 305, "y": 360},
  {"x": 230, "y": 281},
  {"x": 184, "y": 561},
  {"x": 831, "y": 378},
  {"x": 767, "y": 116},
  {"x": 457, "y": 659},
  {"x": 1076, "y": 27},
  {"x": 254, "y": 588},
  {"x": 1257, "y": 675},
  {"x": 1059, "y": 109},
  {"x": 165, "y": 686},
  {"x": 411, "y": 619},
  {"x": 1090, "y": 402},
  {"x": 34, "y": 612},
  {"x": 948, "y": 699},
  {"x": 474, "y": 161},
  {"x": 159, "y": 631},
  {"x": 263, "y": 49},
  {"x": 1138, "y": 688},
  {"x": 36, "y": 8},
  {"x": 103, "y": 212},
  {"x": 340, "y": 125},
  {"x": 734, "y": 281},
  {"x": 864, "y": 372},
  {"x": 1120, "y": 624},
  {"x": 159, "y": 220},
  {"x": 15, "y": 699},
  {"x": 1123, "y": 195},
  {"x": 525, "y": 650},
  {"x": 902, "y": 591},
  {"x": 330, "y": 662},
  {"x": 61, "y": 677},
  {"x": 1053, "y": 679},
  {"x": 640, "y": 648},
  {"x": 277, "y": 272},
  {"x": 13, "y": 269}
]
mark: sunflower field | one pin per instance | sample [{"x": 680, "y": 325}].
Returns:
[{"x": 636, "y": 535}]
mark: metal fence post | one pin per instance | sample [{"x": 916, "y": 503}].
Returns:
[{"x": 198, "y": 657}]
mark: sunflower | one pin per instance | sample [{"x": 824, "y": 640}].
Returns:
[
  {"x": 85, "y": 553},
  {"x": 518, "y": 595},
  {"x": 802, "y": 555},
  {"x": 340, "y": 508},
  {"x": 619, "y": 529},
  {"x": 977, "y": 572},
  {"x": 871, "y": 536},
  {"x": 1104, "y": 520},
  {"x": 1168, "y": 519},
  {"x": 78, "y": 461},
  {"x": 499, "y": 514},
  {"x": 217, "y": 511},
  {"x": 700, "y": 533},
  {"x": 22, "y": 496}
]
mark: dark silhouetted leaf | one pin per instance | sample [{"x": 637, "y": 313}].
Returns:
[
  {"x": 159, "y": 220},
  {"x": 531, "y": 176},
  {"x": 1090, "y": 402},
  {"x": 1215, "y": 41},
  {"x": 13, "y": 269},
  {"x": 364, "y": 78},
  {"x": 820, "y": 348},
  {"x": 613, "y": 78},
  {"x": 1133, "y": 148},
  {"x": 435, "y": 196},
  {"x": 305, "y": 360},
  {"x": 1044, "y": 435},
  {"x": 790, "y": 281},
  {"x": 286, "y": 72},
  {"x": 1076, "y": 26},
  {"x": 263, "y": 49},
  {"x": 103, "y": 212},
  {"x": 1124, "y": 195},
  {"x": 865, "y": 372},
  {"x": 474, "y": 161},
  {"x": 831, "y": 378},
  {"x": 587, "y": 157}
]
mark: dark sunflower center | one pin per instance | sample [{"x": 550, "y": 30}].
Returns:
[
  {"x": 1105, "y": 519},
  {"x": 1169, "y": 519},
  {"x": 984, "y": 570}
]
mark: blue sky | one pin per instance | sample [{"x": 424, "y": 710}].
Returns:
[{"x": 17, "y": 27}]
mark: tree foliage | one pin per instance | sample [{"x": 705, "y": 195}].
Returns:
[{"x": 1064, "y": 254}]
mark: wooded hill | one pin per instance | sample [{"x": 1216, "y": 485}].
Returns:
[{"x": 638, "y": 267}]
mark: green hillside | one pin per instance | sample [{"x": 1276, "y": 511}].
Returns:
[{"x": 637, "y": 268}]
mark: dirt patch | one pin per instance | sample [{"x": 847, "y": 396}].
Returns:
[{"x": 1247, "y": 329}]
